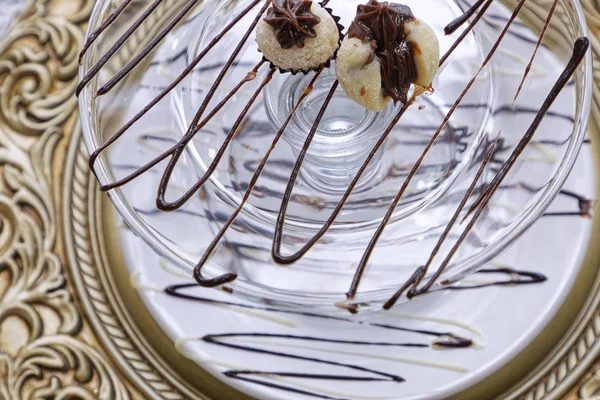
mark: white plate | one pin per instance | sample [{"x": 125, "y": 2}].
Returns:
[
  {"x": 501, "y": 320},
  {"x": 9, "y": 9}
]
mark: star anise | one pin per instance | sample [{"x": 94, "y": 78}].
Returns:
[{"x": 293, "y": 22}]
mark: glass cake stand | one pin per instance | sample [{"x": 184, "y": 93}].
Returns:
[{"x": 346, "y": 136}]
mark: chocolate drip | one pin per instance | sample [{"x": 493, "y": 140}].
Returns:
[
  {"x": 382, "y": 24},
  {"x": 440, "y": 336},
  {"x": 585, "y": 205},
  {"x": 146, "y": 50},
  {"x": 442, "y": 340},
  {"x": 286, "y": 260},
  {"x": 367, "y": 377},
  {"x": 516, "y": 278},
  {"x": 328, "y": 377},
  {"x": 94, "y": 156},
  {"x": 98, "y": 31},
  {"x": 580, "y": 49},
  {"x": 379, "y": 23},
  {"x": 451, "y": 341},
  {"x": 466, "y": 32},
  {"x": 458, "y": 22},
  {"x": 417, "y": 278},
  {"x": 379, "y": 232},
  {"x": 215, "y": 339},
  {"x": 165, "y": 205},
  {"x": 197, "y": 271},
  {"x": 537, "y": 47},
  {"x": 293, "y": 22},
  {"x": 124, "y": 37},
  {"x": 278, "y": 236},
  {"x": 568, "y": 214},
  {"x": 140, "y": 171},
  {"x": 283, "y": 387},
  {"x": 252, "y": 184}
]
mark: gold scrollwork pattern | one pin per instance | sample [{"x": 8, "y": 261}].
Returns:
[
  {"x": 43, "y": 353},
  {"x": 590, "y": 389},
  {"x": 38, "y": 67}
]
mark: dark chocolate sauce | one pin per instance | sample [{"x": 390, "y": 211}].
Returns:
[
  {"x": 537, "y": 47},
  {"x": 416, "y": 279},
  {"x": 585, "y": 205},
  {"x": 448, "y": 339},
  {"x": 250, "y": 77},
  {"x": 281, "y": 387},
  {"x": 458, "y": 22},
  {"x": 328, "y": 377},
  {"x": 278, "y": 235},
  {"x": 252, "y": 184},
  {"x": 451, "y": 341},
  {"x": 377, "y": 22},
  {"x": 445, "y": 340},
  {"x": 442, "y": 340},
  {"x": 147, "y": 49},
  {"x": 105, "y": 24},
  {"x": 122, "y": 39},
  {"x": 379, "y": 232},
  {"x": 516, "y": 278},
  {"x": 579, "y": 51},
  {"x": 94, "y": 156},
  {"x": 292, "y": 21},
  {"x": 382, "y": 25},
  {"x": 466, "y": 32},
  {"x": 216, "y": 339},
  {"x": 567, "y": 214},
  {"x": 165, "y": 205}
]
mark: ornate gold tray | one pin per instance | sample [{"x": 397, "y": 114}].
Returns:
[{"x": 71, "y": 325}]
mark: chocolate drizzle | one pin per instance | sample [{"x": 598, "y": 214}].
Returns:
[
  {"x": 443, "y": 338},
  {"x": 265, "y": 343},
  {"x": 98, "y": 31},
  {"x": 537, "y": 47},
  {"x": 461, "y": 20},
  {"x": 515, "y": 278},
  {"x": 484, "y": 200},
  {"x": 458, "y": 22},
  {"x": 293, "y": 22},
  {"x": 382, "y": 24},
  {"x": 579, "y": 51},
  {"x": 379, "y": 23}
]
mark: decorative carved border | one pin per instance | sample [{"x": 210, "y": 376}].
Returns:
[
  {"x": 46, "y": 349},
  {"x": 576, "y": 352},
  {"x": 107, "y": 313}
]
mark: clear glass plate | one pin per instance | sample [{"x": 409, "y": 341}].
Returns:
[{"x": 346, "y": 135}]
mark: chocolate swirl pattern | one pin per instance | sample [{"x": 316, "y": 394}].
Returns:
[
  {"x": 293, "y": 346},
  {"x": 173, "y": 155}
]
